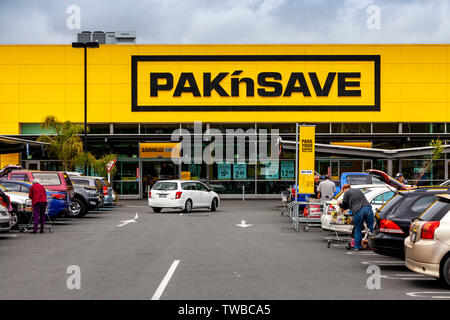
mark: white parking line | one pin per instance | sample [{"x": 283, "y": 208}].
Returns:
[
  {"x": 430, "y": 294},
  {"x": 384, "y": 263},
  {"x": 165, "y": 281}
]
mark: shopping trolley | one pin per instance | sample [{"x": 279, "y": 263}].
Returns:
[
  {"x": 311, "y": 215},
  {"x": 30, "y": 225},
  {"x": 341, "y": 225}
]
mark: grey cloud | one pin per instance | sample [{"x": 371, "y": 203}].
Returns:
[{"x": 230, "y": 21}]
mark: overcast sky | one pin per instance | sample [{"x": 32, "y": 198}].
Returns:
[{"x": 230, "y": 21}]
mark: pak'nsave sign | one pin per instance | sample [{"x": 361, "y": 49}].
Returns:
[{"x": 255, "y": 83}]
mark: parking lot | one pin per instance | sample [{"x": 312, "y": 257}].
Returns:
[{"x": 129, "y": 252}]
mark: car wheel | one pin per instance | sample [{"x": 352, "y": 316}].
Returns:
[
  {"x": 77, "y": 208},
  {"x": 188, "y": 206},
  {"x": 156, "y": 210},
  {"x": 214, "y": 205},
  {"x": 14, "y": 220},
  {"x": 445, "y": 272}
]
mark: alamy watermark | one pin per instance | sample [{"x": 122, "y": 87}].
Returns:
[
  {"x": 73, "y": 281},
  {"x": 74, "y": 19},
  {"x": 228, "y": 147}
]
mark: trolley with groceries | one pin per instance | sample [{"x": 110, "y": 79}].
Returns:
[
  {"x": 341, "y": 226},
  {"x": 30, "y": 225}
]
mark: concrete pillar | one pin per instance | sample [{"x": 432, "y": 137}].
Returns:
[{"x": 389, "y": 167}]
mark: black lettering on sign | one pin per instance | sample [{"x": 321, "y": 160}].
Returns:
[
  {"x": 343, "y": 84},
  {"x": 181, "y": 85},
  {"x": 277, "y": 87},
  {"x": 154, "y": 83},
  {"x": 307, "y": 145}
]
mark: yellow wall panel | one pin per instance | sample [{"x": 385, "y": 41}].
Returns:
[
  {"x": 9, "y": 73},
  {"x": 9, "y": 93}
]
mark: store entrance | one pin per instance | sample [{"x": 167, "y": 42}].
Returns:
[{"x": 153, "y": 171}]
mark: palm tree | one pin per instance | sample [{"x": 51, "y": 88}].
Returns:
[{"x": 65, "y": 142}]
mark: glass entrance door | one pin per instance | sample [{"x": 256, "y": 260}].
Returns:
[{"x": 155, "y": 170}]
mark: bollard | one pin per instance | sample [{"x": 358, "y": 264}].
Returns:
[{"x": 243, "y": 193}]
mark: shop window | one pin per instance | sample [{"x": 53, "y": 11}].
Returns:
[
  {"x": 98, "y": 129},
  {"x": 423, "y": 128},
  {"x": 126, "y": 129},
  {"x": 273, "y": 187},
  {"x": 160, "y": 128},
  {"x": 385, "y": 127},
  {"x": 283, "y": 128},
  {"x": 235, "y": 171},
  {"x": 126, "y": 188},
  {"x": 127, "y": 170},
  {"x": 350, "y": 127},
  {"x": 232, "y": 187},
  {"x": 125, "y": 149}
]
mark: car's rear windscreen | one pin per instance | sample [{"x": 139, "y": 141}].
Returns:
[
  {"x": 167, "y": 186},
  {"x": 436, "y": 211},
  {"x": 47, "y": 178}
]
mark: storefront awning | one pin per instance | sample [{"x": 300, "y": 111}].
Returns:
[
  {"x": 15, "y": 145},
  {"x": 368, "y": 152}
]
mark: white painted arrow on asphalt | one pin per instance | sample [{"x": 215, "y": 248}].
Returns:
[
  {"x": 243, "y": 224},
  {"x": 125, "y": 222}
]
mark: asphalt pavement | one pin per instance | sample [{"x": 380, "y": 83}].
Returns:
[{"x": 129, "y": 252}]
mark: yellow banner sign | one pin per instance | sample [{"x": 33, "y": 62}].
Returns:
[
  {"x": 159, "y": 150},
  {"x": 306, "y": 156}
]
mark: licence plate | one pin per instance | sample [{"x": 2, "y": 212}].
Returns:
[
  {"x": 163, "y": 195},
  {"x": 413, "y": 236}
]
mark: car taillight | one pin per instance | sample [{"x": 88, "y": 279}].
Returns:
[
  {"x": 149, "y": 194},
  {"x": 428, "y": 229},
  {"x": 105, "y": 191},
  {"x": 58, "y": 196},
  {"x": 178, "y": 195},
  {"x": 388, "y": 226}
]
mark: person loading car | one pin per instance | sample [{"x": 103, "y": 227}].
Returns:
[
  {"x": 38, "y": 198},
  {"x": 361, "y": 209}
]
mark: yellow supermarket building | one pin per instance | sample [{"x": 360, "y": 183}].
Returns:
[{"x": 377, "y": 96}]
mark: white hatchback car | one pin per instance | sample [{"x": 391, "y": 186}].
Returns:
[{"x": 182, "y": 194}]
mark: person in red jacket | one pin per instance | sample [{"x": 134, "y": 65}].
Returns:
[{"x": 38, "y": 198}]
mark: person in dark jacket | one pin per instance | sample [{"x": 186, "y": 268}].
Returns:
[
  {"x": 38, "y": 198},
  {"x": 361, "y": 209}
]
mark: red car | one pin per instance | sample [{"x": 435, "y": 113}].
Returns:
[{"x": 51, "y": 180}]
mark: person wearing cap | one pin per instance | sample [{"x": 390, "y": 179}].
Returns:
[
  {"x": 38, "y": 198},
  {"x": 326, "y": 189},
  {"x": 399, "y": 176},
  {"x": 361, "y": 209}
]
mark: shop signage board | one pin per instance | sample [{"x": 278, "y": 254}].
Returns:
[
  {"x": 158, "y": 150},
  {"x": 306, "y": 159}
]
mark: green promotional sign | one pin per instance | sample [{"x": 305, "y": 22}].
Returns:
[
  {"x": 287, "y": 170},
  {"x": 223, "y": 171},
  {"x": 271, "y": 172},
  {"x": 240, "y": 171}
]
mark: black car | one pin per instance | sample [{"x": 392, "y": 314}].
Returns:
[{"x": 393, "y": 219}]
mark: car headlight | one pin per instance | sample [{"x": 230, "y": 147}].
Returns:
[{"x": 28, "y": 202}]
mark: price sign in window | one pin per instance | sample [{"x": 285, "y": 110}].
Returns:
[
  {"x": 223, "y": 171},
  {"x": 287, "y": 170},
  {"x": 240, "y": 171}
]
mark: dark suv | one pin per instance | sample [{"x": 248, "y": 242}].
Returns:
[
  {"x": 393, "y": 219},
  {"x": 88, "y": 195}
]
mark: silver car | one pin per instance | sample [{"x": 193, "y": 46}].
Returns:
[{"x": 5, "y": 220}]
